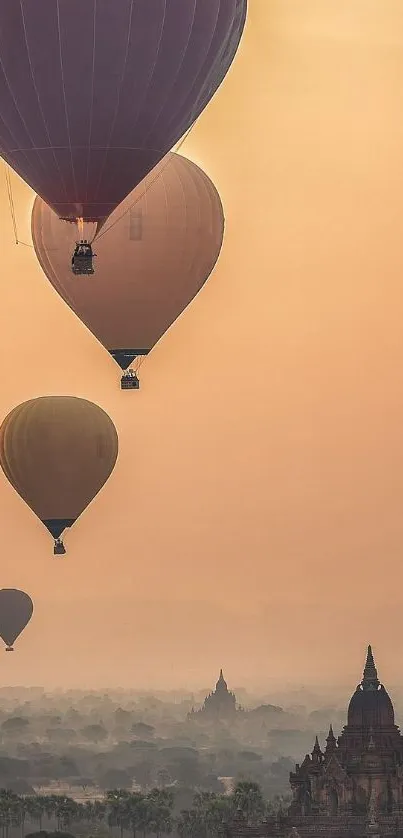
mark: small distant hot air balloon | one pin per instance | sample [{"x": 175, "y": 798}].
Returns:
[
  {"x": 158, "y": 249},
  {"x": 94, "y": 94},
  {"x": 57, "y": 452},
  {"x": 16, "y": 610}
]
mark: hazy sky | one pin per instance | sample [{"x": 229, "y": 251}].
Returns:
[{"x": 254, "y": 520}]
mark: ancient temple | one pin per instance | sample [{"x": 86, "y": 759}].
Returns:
[
  {"x": 353, "y": 788},
  {"x": 219, "y": 705},
  {"x": 364, "y": 766}
]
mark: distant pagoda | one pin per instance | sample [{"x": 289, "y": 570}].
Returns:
[{"x": 219, "y": 705}]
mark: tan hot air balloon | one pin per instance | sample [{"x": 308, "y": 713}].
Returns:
[
  {"x": 155, "y": 253},
  {"x": 57, "y": 452}
]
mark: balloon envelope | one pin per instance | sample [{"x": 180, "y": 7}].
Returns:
[
  {"x": 156, "y": 251},
  {"x": 57, "y": 452},
  {"x": 93, "y": 94},
  {"x": 16, "y": 610}
]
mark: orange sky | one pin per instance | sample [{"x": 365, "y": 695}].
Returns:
[{"x": 254, "y": 520}]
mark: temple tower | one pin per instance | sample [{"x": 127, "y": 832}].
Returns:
[{"x": 361, "y": 773}]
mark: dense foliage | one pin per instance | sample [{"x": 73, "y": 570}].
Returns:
[{"x": 151, "y": 813}]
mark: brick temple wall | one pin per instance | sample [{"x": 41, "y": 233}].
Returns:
[{"x": 349, "y": 826}]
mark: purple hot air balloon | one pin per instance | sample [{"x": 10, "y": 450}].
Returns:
[
  {"x": 93, "y": 94},
  {"x": 16, "y": 609}
]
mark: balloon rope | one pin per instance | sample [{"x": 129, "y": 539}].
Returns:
[
  {"x": 140, "y": 362},
  {"x": 12, "y": 207},
  {"x": 11, "y": 203},
  {"x": 184, "y": 138}
]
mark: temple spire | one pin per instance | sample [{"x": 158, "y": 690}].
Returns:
[
  {"x": 370, "y": 677},
  {"x": 221, "y": 683},
  {"x": 331, "y": 743},
  {"x": 317, "y": 753}
]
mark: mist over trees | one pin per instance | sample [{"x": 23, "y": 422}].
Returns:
[
  {"x": 117, "y": 762},
  {"x": 82, "y": 744}
]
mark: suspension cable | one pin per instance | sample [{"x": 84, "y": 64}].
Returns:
[
  {"x": 12, "y": 207},
  {"x": 11, "y": 203}
]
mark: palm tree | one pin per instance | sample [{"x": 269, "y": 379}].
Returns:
[
  {"x": 50, "y": 803},
  {"x": 66, "y": 811},
  {"x": 217, "y": 811},
  {"x": 20, "y": 816},
  {"x": 117, "y": 807},
  {"x": 94, "y": 813},
  {"x": 210, "y": 814},
  {"x": 191, "y": 824},
  {"x": 220, "y": 814},
  {"x": 159, "y": 805},
  {"x": 10, "y": 811},
  {"x": 248, "y": 800},
  {"x": 34, "y": 808},
  {"x": 88, "y": 811},
  {"x": 136, "y": 812}
]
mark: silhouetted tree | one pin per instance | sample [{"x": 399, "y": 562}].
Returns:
[
  {"x": 248, "y": 800},
  {"x": 95, "y": 733},
  {"x": 11, "y": 812},
  {"x": 15, "y": 724},
  {"x": 117, "y": 808},
  {"x": 143, "y": 730}
]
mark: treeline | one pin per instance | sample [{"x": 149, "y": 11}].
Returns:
[{"x": 137, "y": 813}]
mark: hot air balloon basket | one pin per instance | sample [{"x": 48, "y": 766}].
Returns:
[
  {"x": 129, "y": 381},
  {"x": 59, "y": 549},
  {"x": 82, "y": 267}
]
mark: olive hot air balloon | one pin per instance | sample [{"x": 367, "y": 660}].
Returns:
[
  {"x": 157, "y": 250},
  {"x": 16, "y": 609},
  {"x": 93, "y": 94},
  {"x": 57, "y": 452}
]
